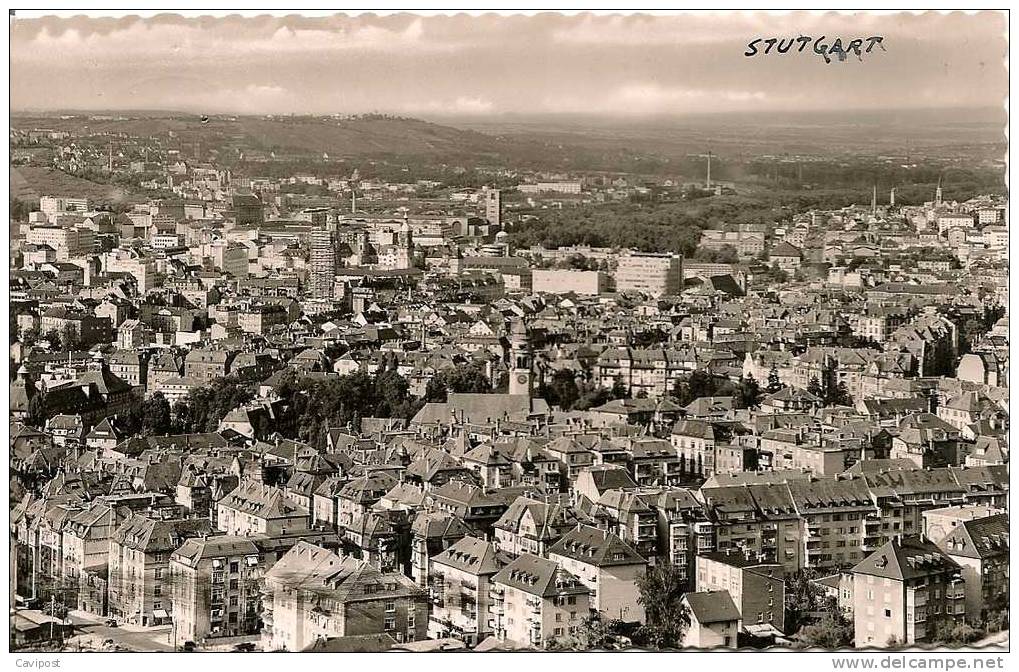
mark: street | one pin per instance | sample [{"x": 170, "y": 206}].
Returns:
[{"x": 130, "y": 637}]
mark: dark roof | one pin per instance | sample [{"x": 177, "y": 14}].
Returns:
[
  {"x": 713, "y": 606},
  {"x": 979, "y": 538},
  {"x": 594, "y": 546},
  {"x": 905, "y": 559}
]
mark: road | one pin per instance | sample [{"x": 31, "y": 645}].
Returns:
[
  {"x": 131, "y": 638},
  {"x": 999, "y": 638}
]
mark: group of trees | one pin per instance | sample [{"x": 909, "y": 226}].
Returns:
[
  {"x": 564, "y": 389},
  {"x": 20, "y": 209},
  {"x": 314, "y": 405},
  {"x": 666, "y": 618},
  {"x": 67, "y": 338},
  {"x": 699, "y": 384},
  {"x": 463, "y": 378},
  {"x": 829, "y": 393},
  {"x": 814, "y": 615},
  {"x": 204, "y": 407}
]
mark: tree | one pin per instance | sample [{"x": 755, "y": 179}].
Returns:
[
  {"x": 949, "y": 632},
  {"x": 814, "y": 387},
  {"x": 774, "y": 384},
  {"x": 834, "y": 631},
  {"x": 619, "y": 390},
  {"x": 748, "y": 393},
  {"x": 463, "y": 378},
  {"x": 803, "y": 597},
  {"x": 53, "y": 337},
  {"x": 156, "y": 418},
  {"x": 37, "y": 410},
  {"x": 592, "y": 633},
  {"x": 842, "y": 396},
  {"x": 562, "y": 390},
  {"x": 590, "y": 396},
  {"x": 71, "y": 338},
  {"x": 666, "y": 617}
]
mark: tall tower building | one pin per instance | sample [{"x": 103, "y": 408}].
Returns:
[
  {"x": 322, "y": 264},
  {"x": 405, "y": 246},
  {"x": 937, "y": 195},
  {"x": 492, "y": 203},
  {"x": 521, "y": 377}
]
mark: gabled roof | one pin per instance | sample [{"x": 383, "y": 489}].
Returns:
[
  {"x": 979, "y": 538},
  {"x": 906, "y": 559},
  {"x": 594, "y": 546},
  {"x": 539, "y": 576},
  {"x": 472, "y": 555},
  {"x": 712, "y": 606}
]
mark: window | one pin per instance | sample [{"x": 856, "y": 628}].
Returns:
[
  {"x": 571, "y": 599},
  {"x": 158, "y": 574},
  {"x": 233, "y": 600},
  {"x": 888, "y": 613},
  {"x": 558, "y": 632},
  {"x": 233, "y": 584},
  {"x": 235, "y": 567},
  {"x": 558, "y": 616},
  {"x": 157, "y": 590},
  {"x": 390, "y": 623},
  {"x": 390, "y": 607}
]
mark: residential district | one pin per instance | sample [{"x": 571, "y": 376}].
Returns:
[{"x": 244, "y": 418}]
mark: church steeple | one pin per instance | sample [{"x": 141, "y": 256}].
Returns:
[{"x": 521, "y": 376}]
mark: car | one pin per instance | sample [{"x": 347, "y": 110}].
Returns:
[
  {"x": 111, "y": 622},
  {"x": 188, "y": 647},
  {"x": 244, "y": 647}
]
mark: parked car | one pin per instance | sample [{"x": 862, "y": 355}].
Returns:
[
  {"x": 111, "y": 622},
  {"x": 244, "y": 647}
]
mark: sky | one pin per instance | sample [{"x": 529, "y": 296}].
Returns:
[{"x": 480, "y": 65}]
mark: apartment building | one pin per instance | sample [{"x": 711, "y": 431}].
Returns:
[
  {"x": 902, "y": 590},
  {"x": 534, "y": 601},
  {"x": 460, "y": 587}
]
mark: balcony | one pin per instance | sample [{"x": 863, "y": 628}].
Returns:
[
  {"x": 920, "y": 599},
  {"x": 814, "y": 543}
]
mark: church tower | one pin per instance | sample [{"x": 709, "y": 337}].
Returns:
[
  {"x": 404, "y": 245},
  {"x": 521, "y": 376}
]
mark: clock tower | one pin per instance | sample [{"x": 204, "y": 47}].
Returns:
[{"x": 521, "y": 377}]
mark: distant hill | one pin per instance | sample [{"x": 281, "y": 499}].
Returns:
[
  {"x": 368, "y": 136},
  {"x": 28, "y": 183}
]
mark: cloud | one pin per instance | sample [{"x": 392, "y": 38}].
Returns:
[
  {"x": 465, "y": 105},
  {"x": 489, "y": 64},
  {"x": 648, "y": 98}
]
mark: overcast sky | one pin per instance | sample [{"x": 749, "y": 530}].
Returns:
[{"x": 497, "y": 64}]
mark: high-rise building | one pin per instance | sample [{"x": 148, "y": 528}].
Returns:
[
  {"x": 322, "y": 264},
  {"x": 654, "y": 274},
  {"x": 492, "y": 202}
]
